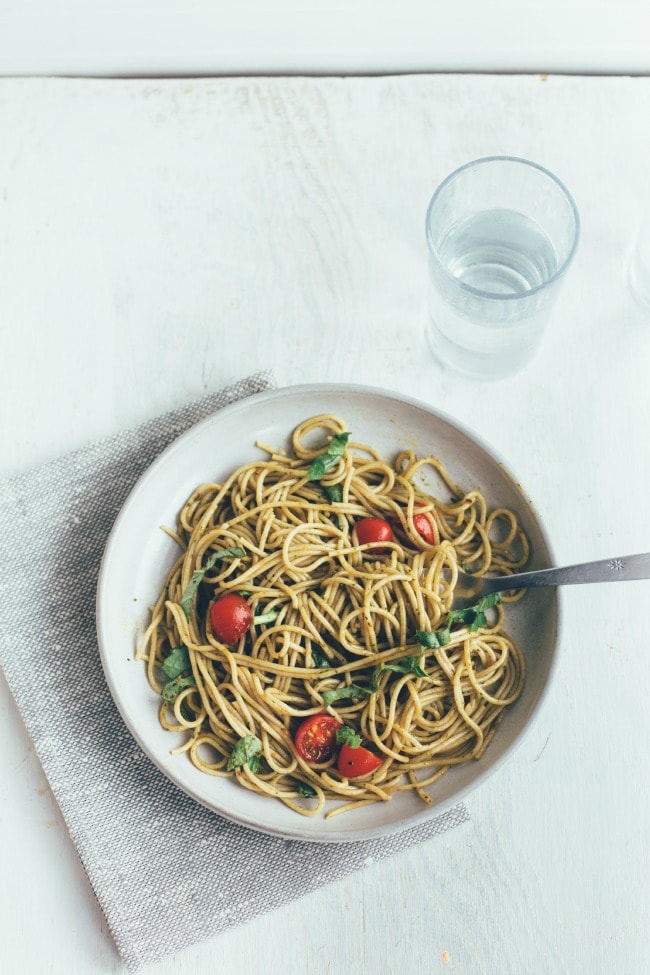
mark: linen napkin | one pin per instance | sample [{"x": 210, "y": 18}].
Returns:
[{"x": 166, "y": 871}]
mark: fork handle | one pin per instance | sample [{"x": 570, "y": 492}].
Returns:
[{"x": 619, "y": 569}]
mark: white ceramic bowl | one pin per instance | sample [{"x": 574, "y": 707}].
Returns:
[{"x": 139, "y": 554}]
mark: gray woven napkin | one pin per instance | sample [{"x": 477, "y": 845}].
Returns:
[{"x": 148, "y": 849}]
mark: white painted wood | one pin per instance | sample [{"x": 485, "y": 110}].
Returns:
[
  {"x": 160, "y": 239},
  {"x": 215, "y": 37}
]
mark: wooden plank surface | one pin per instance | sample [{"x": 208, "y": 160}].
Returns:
[
  {"x": 161, "y": 239},
  {"x": 204, "y": 38}
]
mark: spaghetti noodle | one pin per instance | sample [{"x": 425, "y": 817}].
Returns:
[{"x": 360, "y": 631}]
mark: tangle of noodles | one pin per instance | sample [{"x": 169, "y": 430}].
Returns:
[{"x": 342, "y": 613}]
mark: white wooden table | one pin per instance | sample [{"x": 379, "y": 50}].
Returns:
[
  {"x": 217, "y": 37},
  {"x": 159, "y": 240}
]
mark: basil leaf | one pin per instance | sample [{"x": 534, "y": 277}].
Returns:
[
  {"x": 461, "y": 616},
  {"x": 197, "y": 577},
  {"x": 177, "y": 662},
  {"x": 473, "y": 616},
  {"x": 319, "y": 658},
  {"x": 376, "y": 674},
  {"x": 407, "y": 665},
  {"x": 305, "y": 790},
  {"x": 431, "y": 639},
  {"x": 172, "y": 688},
  {"x": 480, "y": 619},
  {"x": 487, "y": 602},
  {"x": 333, "y": 491},
  {"x": 330, "y": 458},
  {"x": 467, "y": 618},
  {"x": 269, "y": 617},
  {"x": 245, "y": 752},
  {"x": 350, "y": 691},
  {"x": 348, "y": 736}
]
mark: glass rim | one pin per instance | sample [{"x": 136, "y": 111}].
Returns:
[{"x": 479, "y": 292}]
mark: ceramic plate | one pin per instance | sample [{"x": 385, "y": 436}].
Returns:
[{"x": 139, "y": 554}]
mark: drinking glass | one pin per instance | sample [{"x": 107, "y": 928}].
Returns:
[{"x": 501, "y": 233}]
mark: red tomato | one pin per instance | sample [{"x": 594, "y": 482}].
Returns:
[
  {"x": 354, "y": 762},
  {"x": 315, "y": 739},
  {"x": 374, "y": 530},
  {"x": 424, "y": 528},
  {"x": 230, "y": 617}
]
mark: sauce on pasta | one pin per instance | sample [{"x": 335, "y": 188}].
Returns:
[{"x": 339, "y": 626}]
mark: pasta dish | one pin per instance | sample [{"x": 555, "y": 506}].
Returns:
[{"x": 305, "y": 641}]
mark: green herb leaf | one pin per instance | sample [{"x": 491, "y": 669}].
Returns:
[
  {"x": 473, "y": 616},
  {"x": 431, "y": 639},
  {"x": 461, "y": 616},
  {"x": 197, "y": 577},
  {"x": 177, "y": 663},
  {"x": 333, "y": 491},
  {"x": 305, "y": 790},
  {"x": 480, "y": 620},
  {"x": 245, "y": 752},
  {"x": 172, "y": 688},
  {"x": 319, "y": 658},
  {"x": 348, "y": 736},
  {"x": 330, "y": 458},
  {"x": 487, "y": 602},
  {"x": 353, "y": 692},
  {"x": 269, "y": 617},
  {"x": 407, "y": 665}
]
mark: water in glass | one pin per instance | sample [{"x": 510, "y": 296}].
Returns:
[{"x": 497, "y": 254}]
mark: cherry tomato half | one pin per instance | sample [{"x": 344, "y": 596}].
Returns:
[
  {"x": 230, "y": 617},
  {"x": 315, "y": 739},
  {"x": 354, "y": 762},
  {"x": 374, "y": 530},
  {"x": 424, "y": 528}
]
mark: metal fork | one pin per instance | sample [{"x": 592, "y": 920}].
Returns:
[{"x": 469, "y": 588}]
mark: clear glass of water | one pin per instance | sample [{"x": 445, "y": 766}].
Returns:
[{"x": 501, "y": 233}]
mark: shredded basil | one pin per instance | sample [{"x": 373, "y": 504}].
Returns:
[
  {"x": 330, "y": 458},
  {"x": 178, "y": 668},
  {"x": 348, "y": 736},
  {"x": 334, "y": 492},
  {"x": 406, "y": 665},
  {"x": 352, "y": 692},
  {"x": 474, "y": 616},
  {"x": 177, "y": 663},
  {"x": 245, "y": 752},
  {"x": 198, "y": 576},
  {"x": 269, "y": 617},
  {"x": 433, "y": 638},
  {"x": 319, "y": 658},
  {"x": 172, "y": 688},
  {"x": 305, "y": 790}
]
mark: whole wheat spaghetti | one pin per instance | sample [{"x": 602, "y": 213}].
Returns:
[{"x": 357, "y": 630}]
